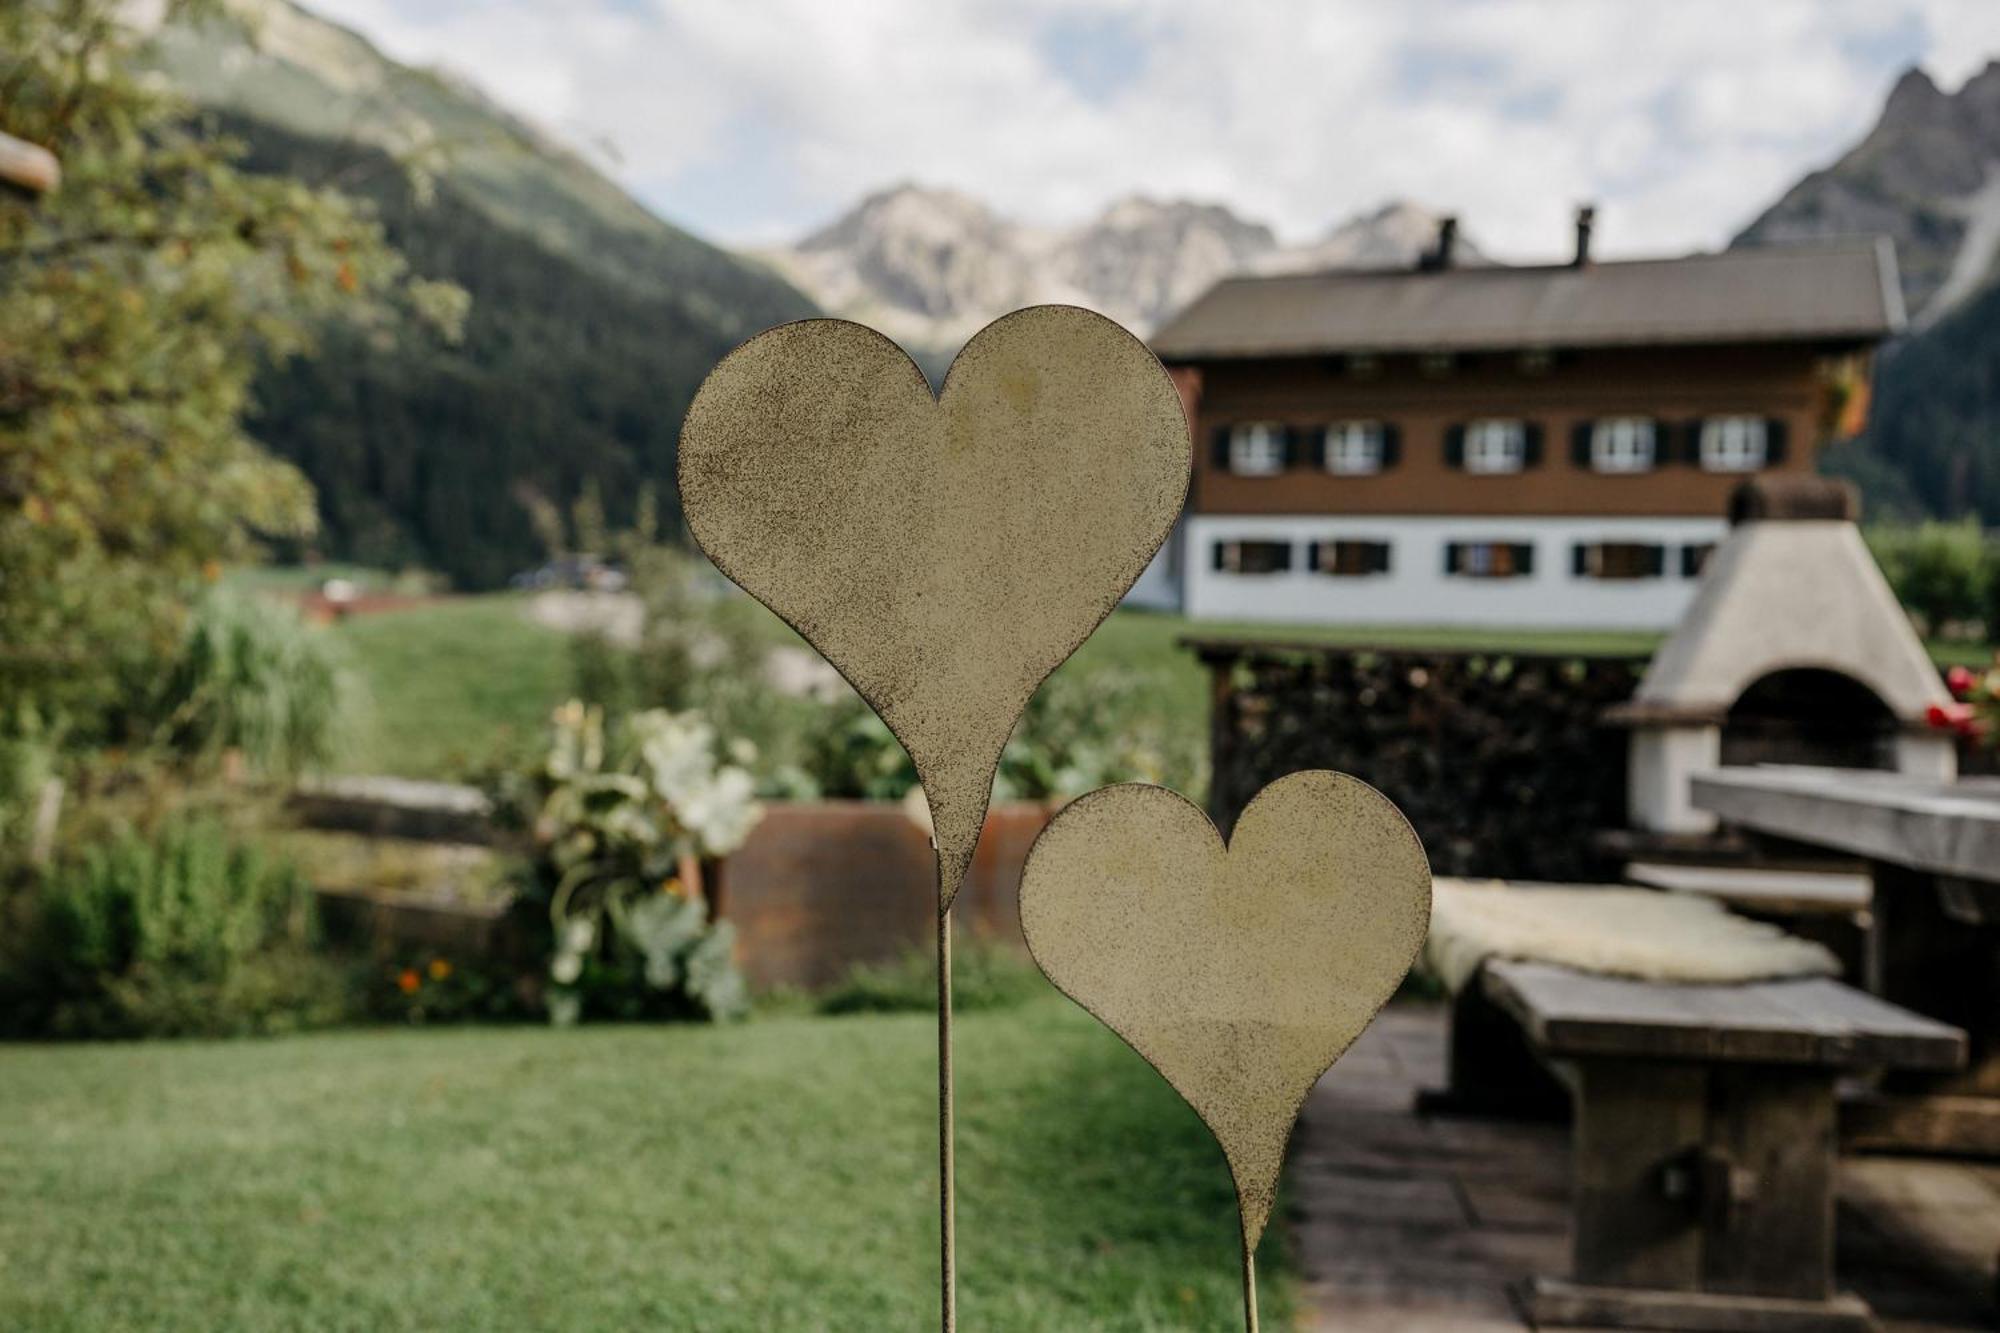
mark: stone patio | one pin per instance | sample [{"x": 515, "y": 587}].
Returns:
[{"x": 1420, "y": 1224}]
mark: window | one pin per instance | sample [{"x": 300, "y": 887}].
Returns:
[
  {"x": 1694, "y": 558},
  {"x": 1348, "y": 559},
  {"x": 1734, "y": 444},
  {"x": 1623, "y": 444},
  {"x": 1253, "y": 557},
  {"x": 1489, "y": 560},
  {"x": 1257, "y": 449},
  {"x": 1496, "y": 446},
  {"x": 1355, "y": 448},
  {"x": 1618, "y": 560}
]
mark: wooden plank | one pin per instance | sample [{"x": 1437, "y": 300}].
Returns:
[
  {"x": 1761, "y": 891},
  {"x": 1553, "y": 1303},
  {"x": 1949, "y": 828},
  {"x": 1880, "y": 1033},
  {"x": 1934, "y": 1124},
  {"x": 1809, "y": 1021},
  {"x": 1768, "y": 1217},
  {"x": 1633, "y": 1121}
]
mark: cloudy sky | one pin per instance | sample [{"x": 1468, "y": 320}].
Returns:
[{"x": 753, "y": 121}]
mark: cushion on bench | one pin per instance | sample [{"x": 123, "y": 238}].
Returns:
[{"x": 1622, "y": 932}]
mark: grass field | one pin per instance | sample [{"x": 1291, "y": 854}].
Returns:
[
  {"x": 774, "y": 1175},
  {"x": 450, "y": 685}
]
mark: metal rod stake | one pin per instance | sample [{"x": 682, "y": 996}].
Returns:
[
  {"x": 1249, "y": 1288},
  {"x": 947, "y": 1167}
]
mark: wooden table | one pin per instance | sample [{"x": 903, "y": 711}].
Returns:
[
  {"x": 1933, "y": 851},
  {"x": 1703, "y": 1150}
]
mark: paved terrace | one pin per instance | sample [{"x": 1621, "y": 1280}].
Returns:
[{"x": 1418, "y": 1224}]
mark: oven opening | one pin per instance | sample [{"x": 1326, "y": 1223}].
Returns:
[{"x": 1809, "y": 715}]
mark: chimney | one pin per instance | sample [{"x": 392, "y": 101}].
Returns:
[
  {"x": 1586, "y": 218},
  {"x": 1439, "y": 256}
]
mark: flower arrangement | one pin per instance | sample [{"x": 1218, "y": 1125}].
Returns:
[
  {"x": 619, "y": 838},
  {"x": 1974, "y": 710}
]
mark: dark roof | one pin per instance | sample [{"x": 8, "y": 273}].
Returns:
[{"x": 1843, "y": 292}]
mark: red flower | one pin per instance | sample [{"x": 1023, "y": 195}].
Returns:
[
  {"x": 1960, "y": 680},
  {"x": 1951, "y": 717}
]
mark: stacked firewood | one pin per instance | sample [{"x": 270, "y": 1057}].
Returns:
[{"x": 1501, "y": 761}]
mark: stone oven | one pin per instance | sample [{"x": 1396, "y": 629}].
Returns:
[{"x": 1794, "y": 650}]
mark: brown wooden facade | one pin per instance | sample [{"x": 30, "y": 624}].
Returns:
[{"x": 1815, "y": 391}]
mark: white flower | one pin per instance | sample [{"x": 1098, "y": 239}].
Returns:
[
  {"x": 678, "y": 750},
  {"x": 721, "y": 813}
]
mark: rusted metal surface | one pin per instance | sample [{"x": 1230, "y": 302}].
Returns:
[
  {"x": 945, "y": 554},
  {"x": 1240, "y": 972}
]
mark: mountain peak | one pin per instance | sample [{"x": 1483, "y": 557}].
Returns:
[
  {"x": 1925, "y": 175},
  {"x": 1914, "y": 87},
  {"x": 930, "y": 266},
  {"x": 1391, "y": 236}
]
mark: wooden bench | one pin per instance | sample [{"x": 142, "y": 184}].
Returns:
[
  {"x": 1704, "y": 1141},
  {"x": 1827, "y": 907}
]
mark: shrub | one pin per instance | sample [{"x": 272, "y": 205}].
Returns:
[
  {"x": 252, "y": 676},
  {"x": 627, "y": 934},
  {"x": 1077, "y": 734},
  {"x": 1940, "y": 571},
  {"x": 983, "y": 976},
  {"x": 184, "y": 931},
  {"x": 432, "y": 988}
]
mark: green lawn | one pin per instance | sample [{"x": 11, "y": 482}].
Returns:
[
  {"x": 449, "y": 685},
  {"x": 777, "y": 1175},
  {"x": 453, "y": 684}
]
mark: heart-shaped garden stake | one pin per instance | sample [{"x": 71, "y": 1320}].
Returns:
[
  {"x": 1241, "y": 972},
  {"x": 945, "y": 554}
]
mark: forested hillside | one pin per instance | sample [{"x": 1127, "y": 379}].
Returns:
[
  {"x": 1933, "y": 446},
  {"x": 422, "y": 454},
  {"x": 592, "y": 321}
]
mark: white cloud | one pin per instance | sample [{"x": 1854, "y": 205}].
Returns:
[{"x": 755, "y": 121}]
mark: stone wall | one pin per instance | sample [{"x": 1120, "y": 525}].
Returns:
[{"x": 1500, "y": 761}]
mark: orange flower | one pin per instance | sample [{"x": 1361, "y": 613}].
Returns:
[
  {"x": 409, "y": 981},
  {"x": 440, "y": 968}
]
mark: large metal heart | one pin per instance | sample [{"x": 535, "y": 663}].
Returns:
[
  {"x": 944, "y": 553},
  {"x": 1241, "y": 972}
]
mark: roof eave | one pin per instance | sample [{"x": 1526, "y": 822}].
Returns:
[{"x": 1168, "y": 352}]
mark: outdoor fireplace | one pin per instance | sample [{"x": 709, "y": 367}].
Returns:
[{"x": 1794, "y": 650}]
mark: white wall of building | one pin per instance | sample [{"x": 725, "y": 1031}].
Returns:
[
  {"x": 1417, "y": 591},
  {"x": 1159, "y": 586}
]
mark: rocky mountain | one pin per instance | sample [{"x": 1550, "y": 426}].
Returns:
[
  {"x": 592, "y": 321},
  {"x": 1927, "y": 175},
  {"x": 1390, "y": 237},
  {"x": 931, "y": 266}
]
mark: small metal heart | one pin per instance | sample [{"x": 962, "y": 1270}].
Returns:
[
  {"x": 1240, "y": 972},
  {"x": 944, "y": 553}
]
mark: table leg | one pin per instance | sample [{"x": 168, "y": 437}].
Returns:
[{"x": 1923, "y": 956}]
